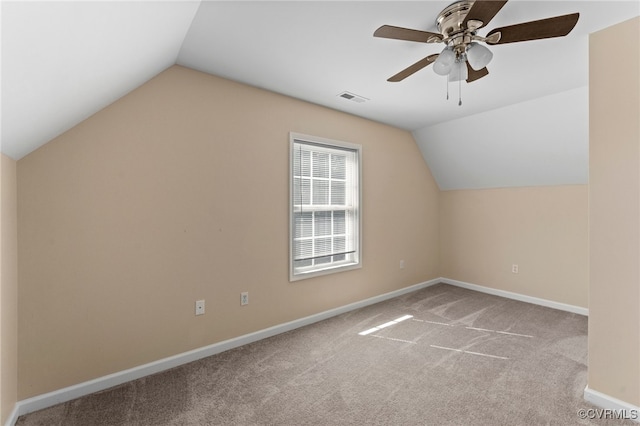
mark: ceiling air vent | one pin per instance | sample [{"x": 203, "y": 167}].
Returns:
[{"x": 353, "y": 97}]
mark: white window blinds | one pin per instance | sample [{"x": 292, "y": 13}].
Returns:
[{"x": 325, "y": 199}]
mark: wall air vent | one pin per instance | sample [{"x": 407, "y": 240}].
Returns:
[{"x": 353, "y": 97}]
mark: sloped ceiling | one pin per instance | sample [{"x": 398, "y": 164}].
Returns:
[
  {"x": 543, "y": 141},
  {"x": 64, "y": 61}
]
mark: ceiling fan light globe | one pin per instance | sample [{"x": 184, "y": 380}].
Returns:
[
  {"x": 444, "y": 62},
  {"x": 458, "y": 71},
  {"x": 446, "y": 57},
  {"x": 441, "y": 69},
  {"x": 478, "y": 56}
]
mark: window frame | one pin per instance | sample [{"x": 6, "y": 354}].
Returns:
[{"x": 332, "y": 267}]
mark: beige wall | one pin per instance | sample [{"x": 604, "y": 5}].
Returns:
[
  {"x": 8, "y": 289},
  {"x": 541, "y": 229},
  {"x": 179, "y": 192},
  {"x": 614, "y": 212}
]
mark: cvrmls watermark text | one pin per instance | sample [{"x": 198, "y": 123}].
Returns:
[{"x": 608, "y": 413}]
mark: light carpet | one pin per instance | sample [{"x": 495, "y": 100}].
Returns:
[{"x": 442, "y": 355}]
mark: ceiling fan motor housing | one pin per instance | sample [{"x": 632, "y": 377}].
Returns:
[
  {"x": 450, "y": 24},
  {"x": 450, "y": 20}
]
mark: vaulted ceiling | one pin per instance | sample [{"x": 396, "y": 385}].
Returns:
[{"x": 64, "y": 61}]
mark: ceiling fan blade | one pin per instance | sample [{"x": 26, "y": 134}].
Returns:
[
  {"x": 558, "y": 26},
  {"x": 413, "y": 68},
  {"x": 482, "y": 11},
  {"x": 399, "y": 33},
  {"x": 474, "y": 75}
]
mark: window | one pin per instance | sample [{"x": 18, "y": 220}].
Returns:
[{"x": 325, "y": 206}]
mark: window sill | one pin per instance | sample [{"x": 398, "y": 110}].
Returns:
[{"x": 334, "y": 269}]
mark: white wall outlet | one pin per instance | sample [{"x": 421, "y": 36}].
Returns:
[
  {"x": 402, "y": 264},
  {"x": 244, "y": 298},
  {"x": 515, "y": 269},
  {"x": 199, "y": 307}
]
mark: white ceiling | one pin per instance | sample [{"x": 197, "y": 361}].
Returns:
[
  {"x": 64, "y": 61},
  {"x": 541, "y": 142}
]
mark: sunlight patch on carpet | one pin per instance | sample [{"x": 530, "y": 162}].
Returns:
[
  {"x": 468, "y": 352},
  {"x": 385, "y": 325},
  {"x": 499, "y": 332}
]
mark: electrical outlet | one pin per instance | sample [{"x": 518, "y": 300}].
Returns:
[
  {"x": 402, "y": 264},
  {"x": 199, "y": 307},
  {"x": 515, "y": 269},
  {"x": 244, "y": 298}
]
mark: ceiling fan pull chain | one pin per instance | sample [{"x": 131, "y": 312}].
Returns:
[
  {"x": 460, "y": 92},
  {"x": 447, "y": 86}
]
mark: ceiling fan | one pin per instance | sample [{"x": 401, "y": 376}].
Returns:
[{"x": 463, "y": 58}]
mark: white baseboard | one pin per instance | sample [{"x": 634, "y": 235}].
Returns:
[
  {"x": 101, "y": 383},
  {"x": 607, "y": 402},
  {"x": 13, "y": 417},
  {"x": 517, "y": 296}
]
